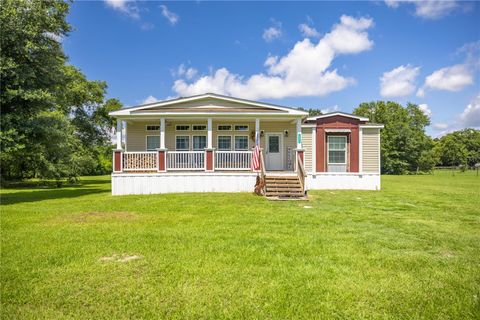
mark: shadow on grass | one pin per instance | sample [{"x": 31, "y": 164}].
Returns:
[{"x": 35, "y": 191}]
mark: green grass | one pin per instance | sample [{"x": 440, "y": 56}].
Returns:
[{"x": 410, "y": 251}]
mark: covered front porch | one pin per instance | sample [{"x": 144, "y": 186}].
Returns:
[{"x": 174, "y": 145}]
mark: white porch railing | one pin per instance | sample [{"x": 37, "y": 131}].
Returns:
[
  {"x": 139, "y": 161},
  {"x": 233, "y": 160},
  {"x": 186, "y": 160}
]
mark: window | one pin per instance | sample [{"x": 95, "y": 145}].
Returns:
[
  {"x": 199, "y": 127},
  {"x": 224, "y": 143},
  {"x": 182, "y": 127},
  {"x": 199, "y": 142},
  {"x": 153, "y": 143},
  {"x": 153, "y": 128},
  {"x": 337, "y": 149},
  {"x": 224, "y": 127},
  {"x": 182, "y": 143},
  {"x": 241, "y": 142},
  {"x": 241, "y": 127}
]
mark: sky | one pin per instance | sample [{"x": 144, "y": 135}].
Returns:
[{"x": 330, "y": 56}]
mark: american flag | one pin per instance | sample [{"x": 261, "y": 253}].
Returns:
[{"x": 256, "y": 153}]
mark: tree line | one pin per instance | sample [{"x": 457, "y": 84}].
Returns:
[{"x": 54, "y": 122}]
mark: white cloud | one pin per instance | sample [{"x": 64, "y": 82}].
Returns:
[
  {"x": 453, "y": 78},
  {"x": 127, "y": 7},
  {"x": 308, "y": 32},
  {"x": 182, "y": 71},
  {"x": 399, "y": 82},
  {"x": 428, "y": 9},
  {"x": 421, "y": 92},
  {"x": 330, "y": 109},
  {"x": 304, "y": 71},
  {"x": 470, "y": 117},
  {"x": 149, "y": 99},
  {"x": 440, "y": 126},
  {"x": 169, "y": 15},
  {"x": 272, "y": 33},
  {"x": 425, "y": 109}
]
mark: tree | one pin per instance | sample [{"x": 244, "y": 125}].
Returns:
[
  {"x": 311, "y": 112},
  {"x": 404, "y": 144},
  {"x": 460, "y": 148},
  {"x": 54, "y": 121}
]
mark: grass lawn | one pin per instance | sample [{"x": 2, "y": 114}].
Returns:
[{"x": 410, "y": 251}]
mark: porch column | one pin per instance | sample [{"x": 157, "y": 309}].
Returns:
[
  {"x": 257, "y": 130},
  {"x": 209, "y": 151},
  {"x": 299, "y": 151},
  {"x": 118, "y": 152},
  {"x": 119, "y": 134},
  {"x": 162, "y": 133}
]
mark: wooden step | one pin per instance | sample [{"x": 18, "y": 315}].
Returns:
[
  {"x": 280, "y": 194},
  {"x": 270, "y": 187}
]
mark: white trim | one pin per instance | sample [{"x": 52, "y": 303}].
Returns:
[
  {"x": 332, "y": 114},
  {"x": 240, "y": 135},
  {"x": 126, "y": 135},
  {"x": 224, "y": 124},
  {"x": 146, "y": 143},
  {"x": 231, "y": 142},
  {"x": 360, "y": 149},
  {"x": 369, "y": 126},
  {"x": 298, "y": 135},
  {"x": 128, "y": 111},
  {"x": 189, "y": 142},
  {"x": 328, "y": 151},
  {"x": 379, "y": 155},
  {"x": 314, "y": 149},
  {"x": 338, "y": 130},
  {"x": 119, "y": 134},
  {"x": 179, "y": 124}
]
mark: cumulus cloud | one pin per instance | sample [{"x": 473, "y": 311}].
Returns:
[
  {"x": 169, "y": 15},
  {"x": 304, "y": 71},
  {"x": 308, "y": 31},
  {"x": 149, "y": 99},
  {"x": 470, "y": 117},
  {"x": 183, "y": 71},
  {"x": 274, "y": 32},
  {"x": 330, "y": 109},
  {"x": 428, "y": 9},
  {"x": 440, "y": 126},
  {"x": 425, "y": 109},
  {"x": 453, "y": 78},
  {"x": 399, "y": 82},
  {"x": 127, "y": 7}
]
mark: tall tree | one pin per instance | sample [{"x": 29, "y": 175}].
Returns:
[
  {"x": 53, "y": 119},
  {"x": 404, "y": 144}
]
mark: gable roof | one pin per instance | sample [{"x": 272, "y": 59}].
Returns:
[
  {"x": 337, "y": 113},
  {"x": 174, "y": 106}
]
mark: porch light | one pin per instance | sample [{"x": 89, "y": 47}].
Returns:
[{"x": 285, "y": 133}]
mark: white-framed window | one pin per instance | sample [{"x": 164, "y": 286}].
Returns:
[
  {"x": 199, "y": 142},
  {"x": 151, "y": 127},
  {"x": 337, "y": 150},
  {"x": 224, "y": 143},
  {"x": 241, "y": 143},
  {"x": 241, "y": 127},
  {"x": 224, "y": 127},
  {"x": 199, "y": 127},
  {"x": 153, "y": 143},
  {"x": 182, "y": 143},
  {"x": 182, "y": 127}
]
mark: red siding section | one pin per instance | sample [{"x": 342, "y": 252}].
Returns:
[
  {"x": 338, "y": 122},
  {"x": 161, "y": 161},
  {"x": 117, "y": 167},
  {"x": 209, "y": 160}
]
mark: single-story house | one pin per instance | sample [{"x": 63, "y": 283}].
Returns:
[{"x": 208, "y": 143}]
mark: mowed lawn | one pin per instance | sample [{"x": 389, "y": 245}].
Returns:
[{"x": 409, "y": 251}]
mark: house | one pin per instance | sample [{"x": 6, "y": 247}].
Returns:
[{"x": 205, "y": 143}]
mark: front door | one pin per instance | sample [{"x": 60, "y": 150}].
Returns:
[{"x": 274, "y": 152}]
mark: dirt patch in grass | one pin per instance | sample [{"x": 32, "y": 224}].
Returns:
[
  {"x": 120, "y": 258},
  {"x": 95, "y": 217}
]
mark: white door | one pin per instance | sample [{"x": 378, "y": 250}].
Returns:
[{"x": 274, "y": 152}]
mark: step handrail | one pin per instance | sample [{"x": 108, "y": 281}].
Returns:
[{"x": 301, "y": 173}]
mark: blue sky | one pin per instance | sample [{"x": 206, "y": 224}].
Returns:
[{"x": 325, "y": 55}]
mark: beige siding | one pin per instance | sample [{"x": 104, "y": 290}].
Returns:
[
  {"x": 371, "y": 150},
  {"x": 136, "y": 134},
  {"x": 307, "y": 146}
]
